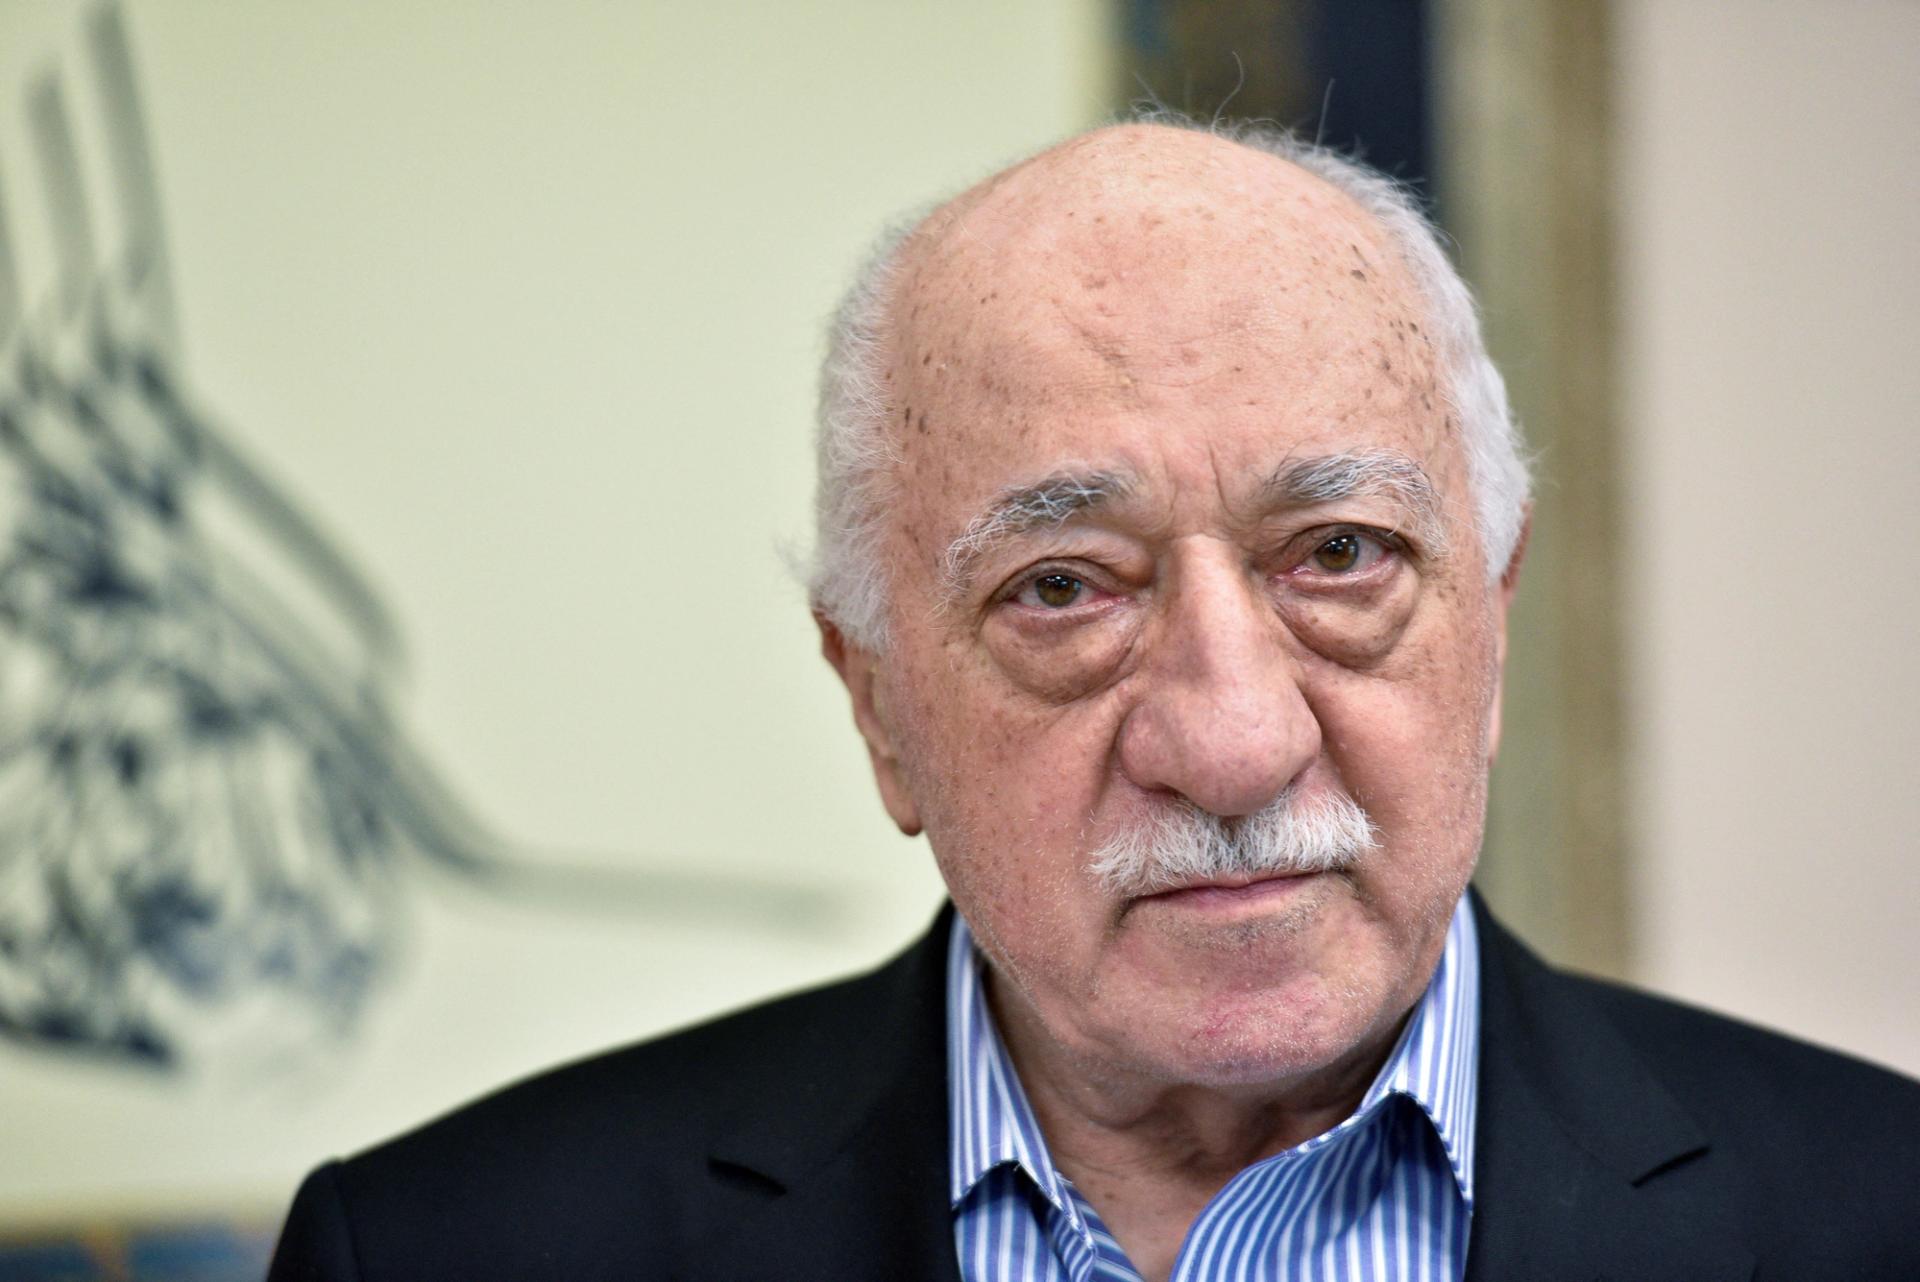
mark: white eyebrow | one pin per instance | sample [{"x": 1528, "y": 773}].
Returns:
[
  {"x": 1021, "y": 509},
  {"x": 1328, "y": 478}
]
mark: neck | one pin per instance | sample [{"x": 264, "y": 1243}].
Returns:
[{"x": 1149, "y": 1155}]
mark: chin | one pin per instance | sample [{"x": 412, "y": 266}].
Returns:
[{"x": 1248, "y": 1038}]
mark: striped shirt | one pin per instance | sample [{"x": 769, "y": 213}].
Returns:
[{"x": 1386, "y": 1194}]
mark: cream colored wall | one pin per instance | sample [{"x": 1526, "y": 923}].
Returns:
[
  {"x": 1771, "y": 306},
  {"x": 524, "y": 300}
]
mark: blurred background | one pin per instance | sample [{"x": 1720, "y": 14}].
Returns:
[{"x": 405, "y": 408}]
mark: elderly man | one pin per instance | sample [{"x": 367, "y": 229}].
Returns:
[{"x": 1169, "y": 515}]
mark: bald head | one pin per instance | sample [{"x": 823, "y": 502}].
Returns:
[
  {"x": 1129, "y": 190},
  {"x": 1130, "y": 258},
  {"x": 1136, "y": 257}
]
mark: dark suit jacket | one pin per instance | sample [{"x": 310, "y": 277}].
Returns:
[{"x": 1620, "y": 1136}]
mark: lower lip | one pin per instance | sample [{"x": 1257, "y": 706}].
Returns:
[{"x": 1215, "y": 898}]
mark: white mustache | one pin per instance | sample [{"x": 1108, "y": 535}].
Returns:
[{"x": 1181, "y": 844}]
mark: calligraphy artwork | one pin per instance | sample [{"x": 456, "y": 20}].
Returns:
[{"x": 206, "y": 803}]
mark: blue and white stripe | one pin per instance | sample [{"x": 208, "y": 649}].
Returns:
[{"x": 1386, "y": 1194}]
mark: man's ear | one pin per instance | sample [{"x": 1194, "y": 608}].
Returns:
[
  {"x": 1503, "y": 601},
  {"x": 860, "y": 674}
]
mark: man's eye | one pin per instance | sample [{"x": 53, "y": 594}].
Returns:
[
  {"x": 1052, "y": 591},
  {"x": 1346, "y": 553}
]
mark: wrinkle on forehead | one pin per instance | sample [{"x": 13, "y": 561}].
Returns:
[
  {"x": 1144, "y": 247},
  {"x": 1143, "y": 261}
]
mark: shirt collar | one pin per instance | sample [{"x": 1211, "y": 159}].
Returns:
[{"x": 1435, "y": 1064}]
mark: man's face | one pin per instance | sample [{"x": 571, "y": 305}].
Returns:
[{"x": 1127, "y": 379}]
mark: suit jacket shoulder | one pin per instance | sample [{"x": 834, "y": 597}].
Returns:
[
  {"x": 1796, "y": 1126},
  {"x": 757, "y": 1145},
  {"x": 1625, "y": 1135}
]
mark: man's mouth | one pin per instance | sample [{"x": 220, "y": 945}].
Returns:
[{"x": 1233, "y": 890}]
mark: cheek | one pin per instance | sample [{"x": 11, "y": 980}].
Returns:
[
  {"x": 1006, "y": 785},
  {"x": 1411, "y": 746},
  {"x": 1000, "y": 774},
  {"x": 1017, "y": 874}
]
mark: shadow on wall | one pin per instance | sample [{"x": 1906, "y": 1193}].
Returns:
[{"x": 208, "y": 817}]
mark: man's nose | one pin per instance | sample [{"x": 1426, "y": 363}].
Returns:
[{"x": 1220, "y": 718}]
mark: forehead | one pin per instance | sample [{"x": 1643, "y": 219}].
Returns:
[{"x": 1152, "y": 298}]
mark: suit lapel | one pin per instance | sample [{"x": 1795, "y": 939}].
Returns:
[
  {"x": 1574, "y": 1137},
  {"x": 848, "y": 1178}
]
